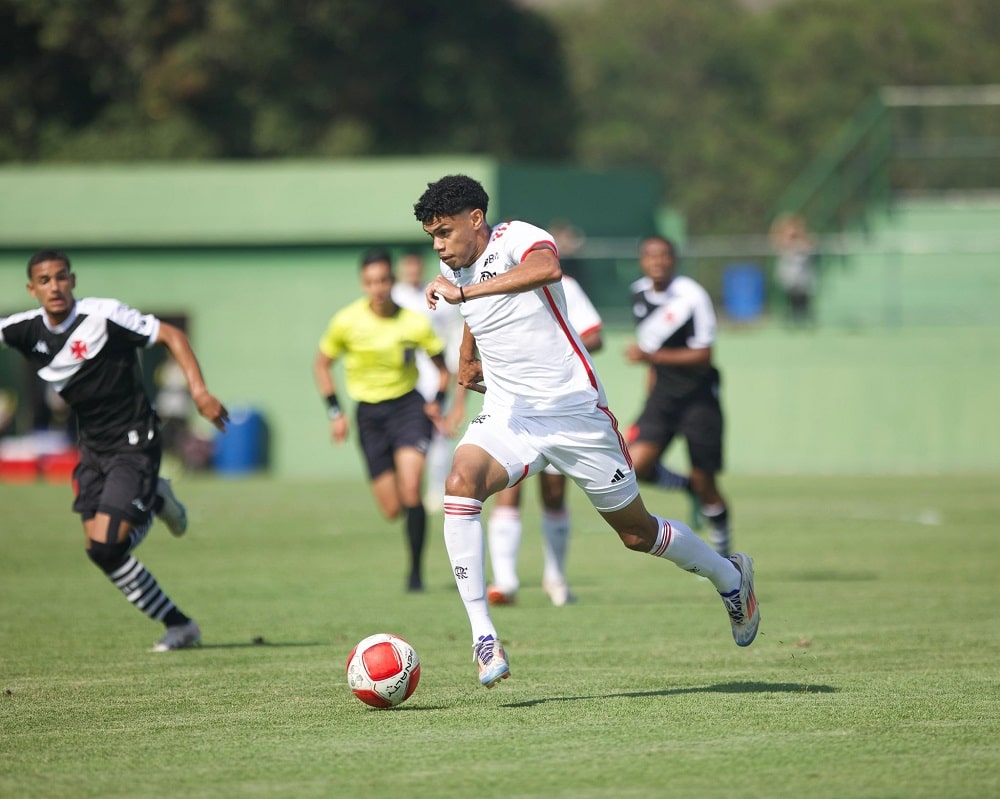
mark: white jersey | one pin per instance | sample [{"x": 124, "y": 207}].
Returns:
[
  {"x": 533, "y": 361},
  {"x": 447, "y": 323},
  {"x": 582, "y": 313}
]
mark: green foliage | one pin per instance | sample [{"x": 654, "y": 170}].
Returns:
[
  {"x": 230, "y": 79},
  {"x": 726, "y": 103},
  {"x": 874, "y": 673}
]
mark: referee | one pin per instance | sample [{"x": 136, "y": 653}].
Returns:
[{"x": 378, "y": 341}]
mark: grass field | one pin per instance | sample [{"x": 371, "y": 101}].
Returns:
[{"x": 875, "y": 673}]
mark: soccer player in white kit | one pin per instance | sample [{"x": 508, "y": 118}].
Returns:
[{"x": 543, "y": 404}]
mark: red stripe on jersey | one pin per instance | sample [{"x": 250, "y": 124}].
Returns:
[
  {"x": 570, "y": 337},
  {"x": 621, "y": 441},
  {"x": 544, "y": 244}
]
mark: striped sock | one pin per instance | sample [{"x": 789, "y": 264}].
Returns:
[
  {"x": 463, "y": 538},
  {"x": 142, "y": 590},
  {"x": 677, "y": 543}
]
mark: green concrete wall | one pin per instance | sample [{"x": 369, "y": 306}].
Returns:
[{"x": 824, "y": 402}]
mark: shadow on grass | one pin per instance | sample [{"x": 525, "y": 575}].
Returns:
[
  {"x": 260, "y": 643},
  {"x": 720, "y": 688}
]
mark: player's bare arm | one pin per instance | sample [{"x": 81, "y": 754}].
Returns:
[
  {"x": 539, "y": 268},
  {"x": 175, "y": 340},
  {"x": 324, "y": 382},
  {"x": 681, "y": 356},
  {"x": 470, "y": 368}
]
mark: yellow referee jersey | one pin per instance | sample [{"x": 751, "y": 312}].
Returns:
[{"x": 379, "y": 352}]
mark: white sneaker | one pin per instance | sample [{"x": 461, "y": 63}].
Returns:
[
  {"x": 491, "y": 660},
  {"x": 173, "y": 513},
  {"x": 558, "y": 592},
  {"x": 180, "y": 636}
]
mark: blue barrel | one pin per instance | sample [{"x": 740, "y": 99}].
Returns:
[
  {"x": 243, "y": 447},
  {"x": 743, "y": 291}
]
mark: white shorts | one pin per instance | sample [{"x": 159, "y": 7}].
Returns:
[{"x": 586, "y": 447}]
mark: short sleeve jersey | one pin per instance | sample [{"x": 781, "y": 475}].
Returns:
[
  {"x": 91, "y": 360},
  {"x": 379, "y": 352},
  {"x": 533, "y": 361},
  {"x": 679, "y": 317}
]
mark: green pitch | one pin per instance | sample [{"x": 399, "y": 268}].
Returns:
[{"x": 875, "y": 673}]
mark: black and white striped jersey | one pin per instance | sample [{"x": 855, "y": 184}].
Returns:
[
  {"x": 681, "y": 316},
  {"x": 90, "y": 359}
]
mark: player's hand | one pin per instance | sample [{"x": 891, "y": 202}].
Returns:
[
  {"x": 470, "y": 375},
  {"x": 441, "y": 289},
  {"x": 338, "y": 429},
  {"x": 210, "y": 408},
  {"x": 635, "y": 355}
]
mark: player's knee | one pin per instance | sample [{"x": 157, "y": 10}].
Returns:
[
  {"x": 456, "y": 484},
  {"x": 108, "y": 557}
]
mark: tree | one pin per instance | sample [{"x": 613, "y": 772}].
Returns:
[{"x": 185, "y": 79}]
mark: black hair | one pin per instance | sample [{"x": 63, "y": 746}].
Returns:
[
  {"x": 449, "y": 196},
  {"x": 48, "y": 255},
  {"x": 664, "y": 239},
  {"x": 376, "y": 255}
]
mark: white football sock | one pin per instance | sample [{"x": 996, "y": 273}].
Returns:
[
  {"x": 555, "y": 542},
  {"x": 504, "y": 536},
  {"x": 463, "y": 539},
  {"x": 677, "y": 543}
]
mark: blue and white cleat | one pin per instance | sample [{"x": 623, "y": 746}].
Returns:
[
  {"x": 491, "y": 660},
  {"x": 741, "y": 604}
]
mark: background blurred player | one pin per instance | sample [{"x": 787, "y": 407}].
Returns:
[
  {"x": 675, "y": 330},
  {"x": 378, "y": 341}
]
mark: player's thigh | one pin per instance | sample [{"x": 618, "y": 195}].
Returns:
[
  {"x": 553, "y": 488},
  {"x": 506, "y": 443},
  {"x": 656, "y": 426},
  {"x": 406, "y": 423},
  {"x": 588, "y": 449},
  {"x": 129, "y": 487},
  {"x": 373, "y": 438},
  {"x": 702, "y": 428}
]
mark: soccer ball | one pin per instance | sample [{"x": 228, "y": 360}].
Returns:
[{"x": 383, "y": 670}]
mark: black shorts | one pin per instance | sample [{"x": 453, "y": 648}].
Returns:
[
  {"x": 384, "y": 427},
  {"x": 121, "y": 484},
  {"x": 698, "y": 418}
]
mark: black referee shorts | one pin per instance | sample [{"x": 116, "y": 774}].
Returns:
[{"x": 384, "y": 427}]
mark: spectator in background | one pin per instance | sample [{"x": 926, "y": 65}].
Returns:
[
  {"x": 408, "y": 292},
  {"x": 378, "y": 340},
  {"x": 795, "y": 268},
  {"x": 675, "y": 331},
  {"x": 87, "y": 351}
]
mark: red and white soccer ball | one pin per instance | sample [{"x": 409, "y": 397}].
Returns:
[{"x": 383, "y": 670}]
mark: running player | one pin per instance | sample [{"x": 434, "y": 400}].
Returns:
[
  {"x": 543, "y": 405},
  {"x": 86, "y": 350},
  {"x": 675, "y": 332},
  {"x": 378, "y": 341}
]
